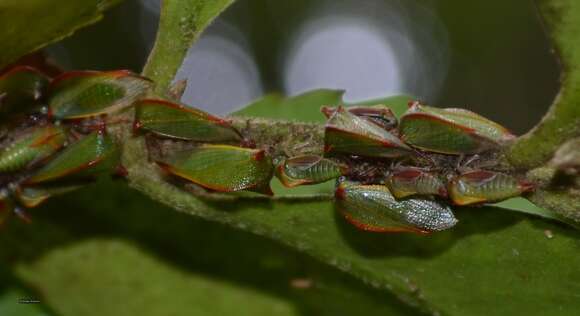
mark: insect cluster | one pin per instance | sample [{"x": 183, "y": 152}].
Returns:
[
  {"x": 53, "y": 134},
  {"x": 417, "y": 165},
  {"x": 391, "y": 176}
]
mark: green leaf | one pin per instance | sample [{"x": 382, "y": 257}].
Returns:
[
  {"x": 181, "y": 23},
  {"x": 143, "y": 259},
  {"x": 303, "y": 108},
  {"x": 525, "y": 206},
  {"x": 26, "y": 26},
  {"x": 489, "y": 247},
  {"x": 113, "y": 271},
  {"x": 16, "y": 298},
  {"x": 306, "y": 107},
  {"x": 11, "y": 304}
]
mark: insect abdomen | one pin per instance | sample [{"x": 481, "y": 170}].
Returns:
[{"x": 485, "y": 186}]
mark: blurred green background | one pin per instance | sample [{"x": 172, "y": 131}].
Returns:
[{"x": 489, "y": 56}]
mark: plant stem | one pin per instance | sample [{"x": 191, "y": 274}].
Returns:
[
  {"x": 562, "y": 122},
  {"x": 180, "y": 24}
]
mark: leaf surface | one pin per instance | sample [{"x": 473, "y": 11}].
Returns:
[
  {"x": 143, "y": 258},
  {"x": 491, "y": 254},
  {"x": 26, "y": 26}
]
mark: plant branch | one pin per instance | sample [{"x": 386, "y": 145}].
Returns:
[
  {"x": 562, "y": 121},
  {"x": 181, "y": 23}
]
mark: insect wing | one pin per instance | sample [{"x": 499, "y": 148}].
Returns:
[
  {"x": 179, "y": 121},
  {"x": 374, "y": 208},
  {"x": 222, "y": 168},
  {"x": 83, "y": 94},
  {"x": 481, "y": 125},
  {"x": 379, "y": 114},
  {"x": 93, "y": 154},
  {"x": 348, "y": 134},
  {"x": 33, "y": 146},
  {"x": 35, "y": 195},
  {"x": 450, "y": 131}
]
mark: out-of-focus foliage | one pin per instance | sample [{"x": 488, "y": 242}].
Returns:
[
  {"x": 12, "y": 303},
  {"x": 143, "y": 258},
  {"x": 28, "y": 25}
]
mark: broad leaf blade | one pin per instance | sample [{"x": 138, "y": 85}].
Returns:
[
  {"x": 29, "y": 25},
  {"x": 489, "y": 247},
  {"x": 118, "y": 250},
  {"x": 16, "y": 301},
  {"x": 306, "y": 107},
  {"x": 525, "y": 206}
]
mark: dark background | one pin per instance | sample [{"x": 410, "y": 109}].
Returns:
[{"x": 489, "y": 56}]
